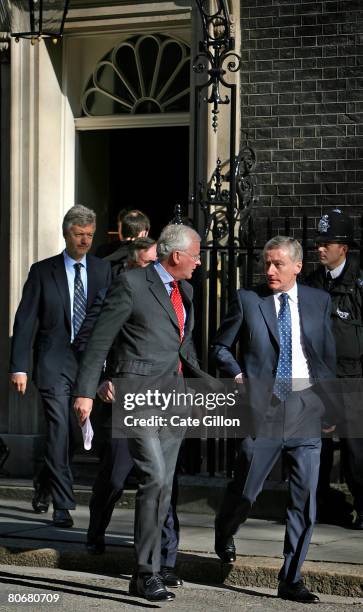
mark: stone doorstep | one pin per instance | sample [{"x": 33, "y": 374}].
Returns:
[
  {"x": 329, "y": 578},
  {"x": 199, "y": 498},
  {"x": 203, "y": 500},
  {"x": 192, "y": 498}
]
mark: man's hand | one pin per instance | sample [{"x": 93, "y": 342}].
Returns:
[
  {"x": 19, "y": 381},
  {"x": 328, "y": 429},
  {"x": 106, "y": 391},
  {"x": 82, "y": 407},
  {"x": 239, "y": 379}
]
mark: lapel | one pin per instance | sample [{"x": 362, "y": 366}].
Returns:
[
  {"x": 60, "y": 277},
  {"x": 268, "y": 310},
  {"x": 160, "y": 293},
  {"x": 91, "y": 281},
  {"x": 185, "y": 291},
  {"x": 305, "y": 312}
]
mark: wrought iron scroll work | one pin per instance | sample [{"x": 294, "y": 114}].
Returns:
[
  {"x": 227, "y": 199},
  {"x": 216, "y": 221},
  {"x": 216, "y": 54}
]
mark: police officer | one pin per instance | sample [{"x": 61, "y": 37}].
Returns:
[{"x": 340, "y": 275}]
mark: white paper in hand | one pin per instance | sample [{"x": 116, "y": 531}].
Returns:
[{"x": 87, "y": 433}]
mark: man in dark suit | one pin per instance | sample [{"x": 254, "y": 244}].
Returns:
[
  {"x": 56, "y": 296},
  {"x": 149, "y": 314},
  {"x": 287, "y": 357}
]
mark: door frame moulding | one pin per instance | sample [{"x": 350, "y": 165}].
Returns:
[
  {"x": 116, "y": 122},
  {"x": 131, "y": 14}
]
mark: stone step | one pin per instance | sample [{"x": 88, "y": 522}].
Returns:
[{"x": 198, "y": 494}]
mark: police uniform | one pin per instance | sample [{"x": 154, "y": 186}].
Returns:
[{"x": 346, "y": 291}]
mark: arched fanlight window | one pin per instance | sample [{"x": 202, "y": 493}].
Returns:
[{"x": 145, "y": 74}]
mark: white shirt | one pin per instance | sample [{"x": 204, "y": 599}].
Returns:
[
  {"x": 300, "y": 368},
  {"x": 71, "y": 274},
  {"x": 336, "y": 271}
]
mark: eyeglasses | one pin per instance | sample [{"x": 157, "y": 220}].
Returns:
[{"x": 195, "y": 258}]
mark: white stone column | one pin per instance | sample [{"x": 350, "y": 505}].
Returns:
[
  {"x": 42, "y": 159},
  {"x": 42, "y": 188}
]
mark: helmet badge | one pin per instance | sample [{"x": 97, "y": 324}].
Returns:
[{"x": 323, "y": 224}]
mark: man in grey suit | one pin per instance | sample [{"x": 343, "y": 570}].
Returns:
[
  {"x": 148, "y": 317},
  {"x": 287, "y": 357}
]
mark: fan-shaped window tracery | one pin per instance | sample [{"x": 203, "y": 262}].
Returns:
[{"x": 144, "y": 74}]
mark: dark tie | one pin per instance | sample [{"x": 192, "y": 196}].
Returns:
[
  {"x": 329, "y": 281},
  {"x": 177, "y": 302},
  {"x": 283, "y": 382},
  {"x": 79, "y": 300}
]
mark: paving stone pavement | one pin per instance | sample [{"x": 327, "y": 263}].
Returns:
[{"x": 77, "y": 593}]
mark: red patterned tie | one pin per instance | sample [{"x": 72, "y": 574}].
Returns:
[{"x": 177, "y": 302}]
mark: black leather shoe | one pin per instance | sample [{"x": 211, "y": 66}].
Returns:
[
  {"x": 225, "y": 548},
  {"x": 151, "y": 587},
  {"x": 62, "y": 518},
  {"x": 169, "y": 578},
  {"x": 96, "y": 546},
  {"x": 40, "y": 500},
  {"x": 296, "y": 591}
]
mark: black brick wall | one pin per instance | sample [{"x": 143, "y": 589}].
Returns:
[{"x": 302, "y": 106}]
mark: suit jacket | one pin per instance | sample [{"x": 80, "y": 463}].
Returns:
[
  {"x": 252, "y": 322},
  {"x": 118, "y": 261},
  {"x": 138, "y": 318},
  {"x": 43, "y": 318}
]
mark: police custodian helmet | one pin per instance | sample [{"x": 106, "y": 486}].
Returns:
[{"x": 335, "y": 226}]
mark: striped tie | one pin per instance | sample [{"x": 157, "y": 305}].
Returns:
[{"x": 79, "y": 300}]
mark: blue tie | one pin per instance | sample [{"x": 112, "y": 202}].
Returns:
[
  {"x": 283, "y": 383},
  {"x": 79, "y": 300}
]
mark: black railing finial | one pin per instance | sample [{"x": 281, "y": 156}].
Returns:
[{"x": 178, "y": 215}]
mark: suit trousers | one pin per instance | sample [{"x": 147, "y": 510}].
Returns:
[
  {"x": 351, "y": 452},
  {"x": 350, "y": 432},
  {"x": 155, "y": 456},
  {"x": 116, "y": 464},
  {"x": 55, "y": 474},
  {"x": 256, "y": 459}
]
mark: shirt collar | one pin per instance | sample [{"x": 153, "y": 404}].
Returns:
[
  {"x": 69, "y": 261},
  {"x": 336, "y": 271},
  {"x": 164, "y": 274},
  {"x": 292, "y": 293}
]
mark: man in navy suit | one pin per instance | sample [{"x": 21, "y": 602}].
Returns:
[
  {"x": 287, "y": 358},
  {"x": 56, "y": 297}
]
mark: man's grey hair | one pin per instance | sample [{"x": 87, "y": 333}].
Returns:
[
  {"x": 291, "y": 245},
  {"x": 78, "y": 215},
  {"x": 175, "y": 238}
]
